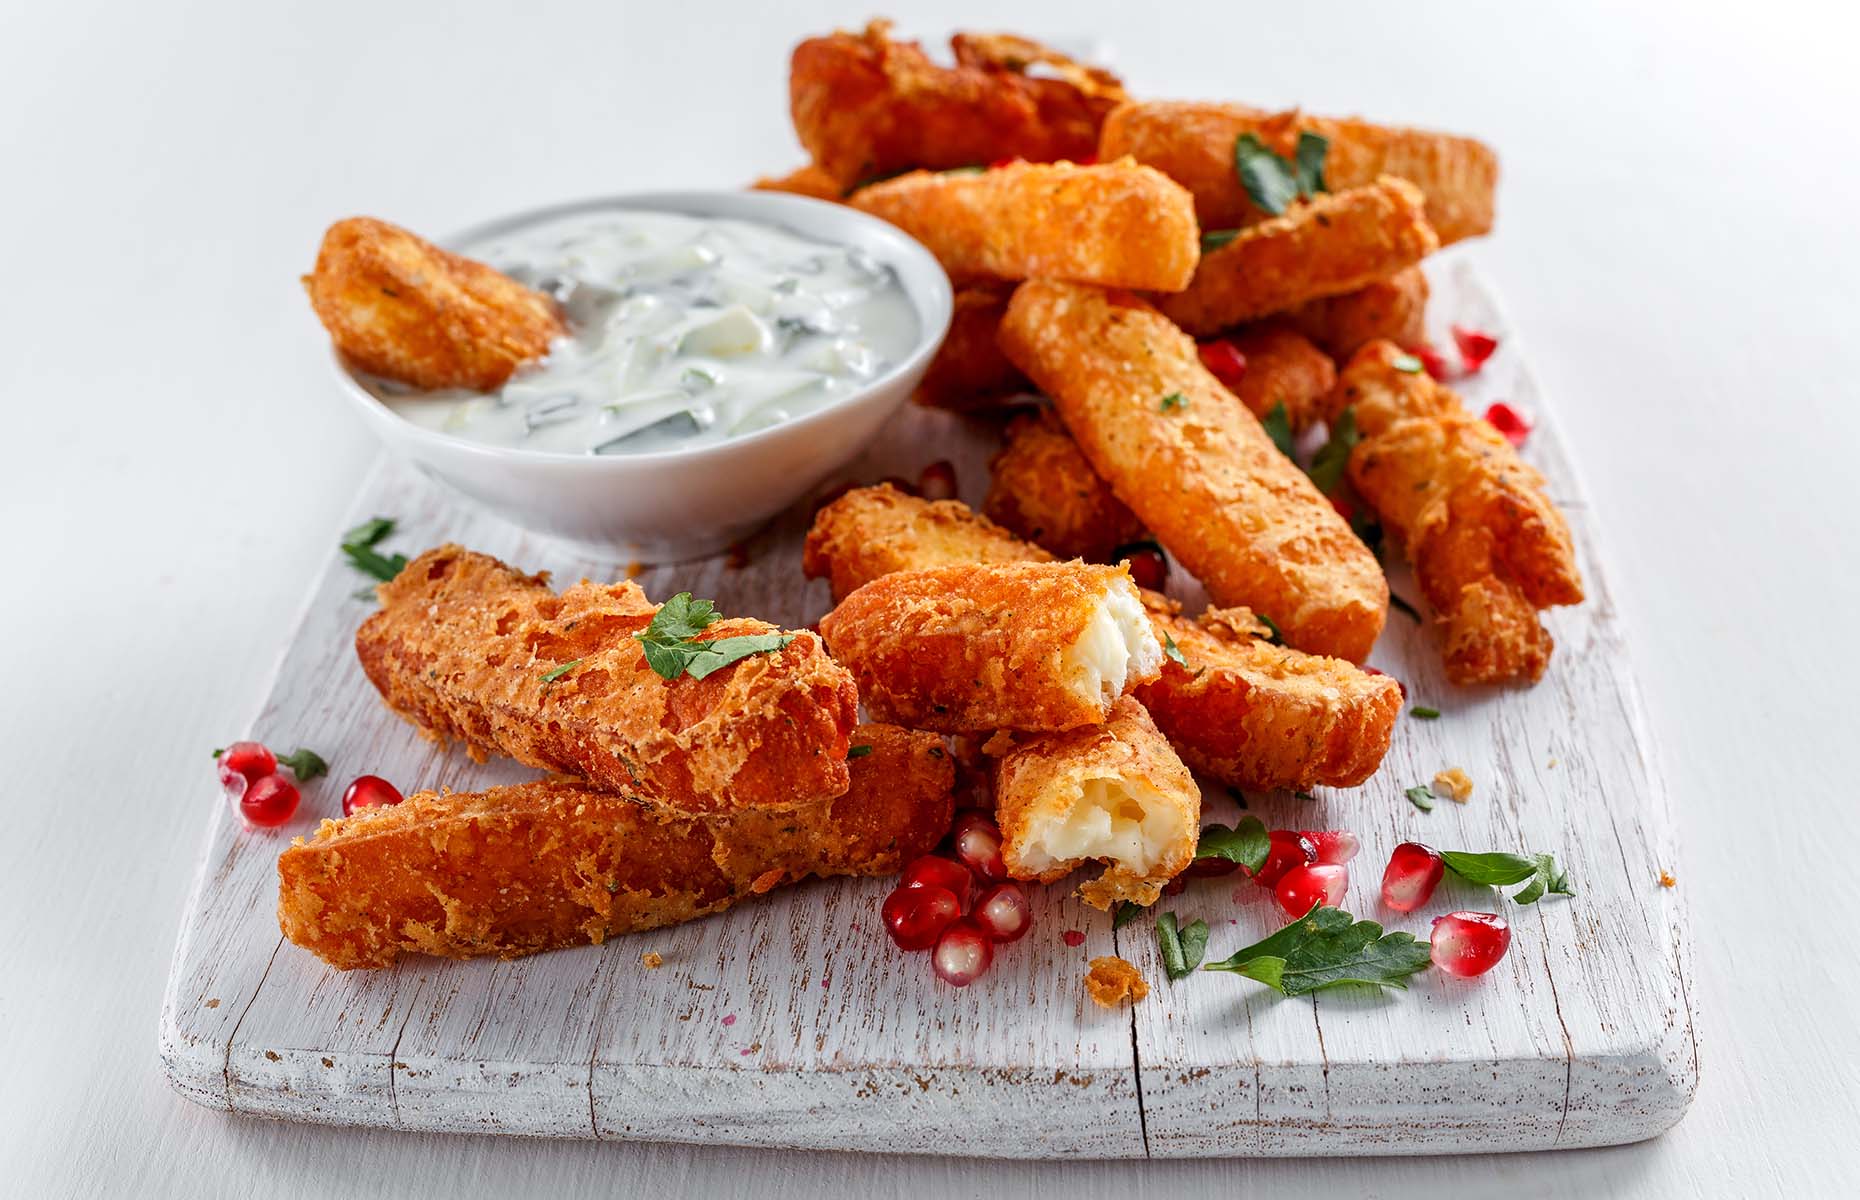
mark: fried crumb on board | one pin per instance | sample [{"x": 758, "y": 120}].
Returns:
[
  {"x": 1453, "y": 784},
  {"x": 1112, "y": 981},
  {"x": 1667, "y": 880},
  {"x": 652, "y": 960}
]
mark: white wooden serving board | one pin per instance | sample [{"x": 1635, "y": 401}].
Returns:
[{"x": 791, "y": 1021}]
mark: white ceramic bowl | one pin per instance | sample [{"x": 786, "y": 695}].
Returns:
[{"x": 681, "y": 504}]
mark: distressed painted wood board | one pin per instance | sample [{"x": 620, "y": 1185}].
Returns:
[{"x": 791, "y": 1022}]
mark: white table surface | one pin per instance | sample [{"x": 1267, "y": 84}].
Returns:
[{"x": 1677, "y": 243}]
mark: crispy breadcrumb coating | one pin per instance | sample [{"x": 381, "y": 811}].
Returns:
[
  {"x": 866, "y": 106},
  {"x": 1021, "y": 646},
  {"x": 1195, "y": 466},
  {"x": 515, "y": 870},
  {"x": 1489, "y": 548},
  {"x": 1394, "y": 308},
  {"x": 1335, "y": 243},
  {"x": 1283, "y": 367},
  {"x": 465, "y": 647},
  {"x": 1043, "y": 489},
  {"x": 872, "y": 531},
  {"x": 1117, "y": 223},
  {"x": 399, "y": 307},
  {"x": 1193, "y": 143},
  {"x": 969, "y": 371},
  {"x": 808, "y": 181},
  {"x": 1111, "y": 981}
]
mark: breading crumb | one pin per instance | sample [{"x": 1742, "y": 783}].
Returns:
[
  {"x": 1453, "y": 784},
  {"x": 635, "y": 569},
  {"x": 652, "y": 960},
  {"x": 1112, "y": 981},
  {"x": 1667, "y": 880}
]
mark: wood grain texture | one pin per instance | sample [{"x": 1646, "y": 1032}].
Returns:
[{"x": 791, "y": 1022}]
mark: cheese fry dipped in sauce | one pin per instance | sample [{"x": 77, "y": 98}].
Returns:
[
  {"x": 1193, "y": 143},
  {"x": 1336, "y": 243},
  {"x": 969, "y": 371},
  {"x": 1019, "y": 646},
  {"x": 1115, "y": 794},
  {"x": 1488, "y": 546},
  {"x": 465, "y": 647},
  {"x": 873, "y": 531},
  {"x": 515, "y": 870},
  {"x": 1043, "y": 488},
  {"x": 1195, "y": 465},
  {"x": 1283, "y": 368},
  {"x": 1117, "y": 224},
  {"x": 400, "y": 307},
  {"x": 1394, "y": 308}
]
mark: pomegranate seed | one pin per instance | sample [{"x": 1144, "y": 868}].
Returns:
[
  {"x": 1413, "y": 873},
  {"x": 271, "y": 800},
  {"x": 962, "y": 954},
  {"x": 977, "y": 841},
  {"x": 1508, "y": 421},
  {"x": 1432, "y": 360},
  {"x": 1003, "y": 912},
  {"x": 901, "y": 483},
  {"x": 933, "y": 870},
  {"x": 916, "y": 916},
  {"x": 1304, "y": 887},
  {"x": 1333, "y": 845},
  {"x": 1202, "y": 868},
  {"x": 1224, "y": 359},
  {"x": 1148, "y": 567},
  {"x": 1475, "y": 345},
  {"x": 369, "y": 791},
  {"x": 248, "y": 760},
  {"x": 1344, "y": 507},
  {"x": 1072, "y": 937},
  {"x": 1289, "y": 849},
  {"x": 938, "y": 481},
  {"x": 1469, "y": 943},
  {"x": 1002, "y": 162},
  {"x": 1176, "y": 886}
]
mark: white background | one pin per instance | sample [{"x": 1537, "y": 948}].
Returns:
[{"x": 1677, "y": 241}]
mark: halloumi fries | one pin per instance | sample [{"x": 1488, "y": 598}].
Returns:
[
  {"x": 1193, "y": 143},
  {"x": 1195, "y": 465},
  {"x": 1394, "y": 308},
  {"x": 1283, "y": 367},
  {"x": 1115, "y": 794},
  {"x": 465, "y": 647},
  {"x": 515, "y": 870},
  {"x": 866, "y": 106},
  {"x": 402, "y": 308},
  {"x": 1043, "y": 489},
  {"x": 1117, "y": 224},
  {"x": 1336, "y": 243},
  {"x": 873, "y": 531},
  {"x": 969, "y": 371},
  {"x": 1016, "y": 646},
  {"x": 1489, "y": 548}
]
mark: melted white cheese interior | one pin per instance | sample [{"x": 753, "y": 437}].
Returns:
[
  {"x": 1118, "y": 645},
  {"x": 1111, "y": 818}
]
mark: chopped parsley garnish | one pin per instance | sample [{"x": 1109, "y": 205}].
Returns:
[
  {"x": 673, "y": 649},
  {"x": 550, "y": 676},
  {"x": 1503, "y": 870},
  {"x": 1247, "y": 843},
  {"x": 1272, "y": 629},
  {"x": 1271, "y": 181},
  {"x": 305, "y": 764},
  {"x": 1183, "y": 946},
  {"x": 1424, "y": 712},
  {"x": 1278, "y": 426},
  {"x": 1400, "y": 605},
  {"x": 1214, "y": 239},
  {"x": 1421, "y": 796},
  {"x": 1334, "y": 455},
  {"x": 1408, "y": 363},
  {"x": 1328, "y": 948},
  {"x": 358, "y": 545},
  {"x": 1304, "y": 796},
  {"x": 853, "y": 752},
  {"x": 1173, "y": 651},
  {"x": 1173, "y": 401},
  {"x": 1125, "y": 912}
]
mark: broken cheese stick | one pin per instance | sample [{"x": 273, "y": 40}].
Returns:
[{"x": 873, "y": 531}]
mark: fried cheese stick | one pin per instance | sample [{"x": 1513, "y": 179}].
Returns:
[
  {"x": 1394, "y": 308},
  {"x": 1018, "y": 646},
  {"x": 1283, "y": 367},
  {"x": 1195, "y": 466},
  {"x": 1336, "y": 243},
  {"x": 1117, "y": 223},
  {"x": 465, "y": 647},
  {"x": 969, "y": 371},
  {"x": 1193, "y": 143},
  {"x": 400, "y": 307},
  {"x": 515, "y": 870},
  {"x": 1488, "y": 546},
  {"x": 1114, "y": 793},
  {"x": 1243, "y": 711},
  {"x": 1043, "y": 489},
  {"x": 866, "y": 106}
]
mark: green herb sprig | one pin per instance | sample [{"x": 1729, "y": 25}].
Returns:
[
  {"x": 1247, "y": 843},
  {"x": 672, "y": 645},
  {"x": 1182, "y": 946},
  {"x": 1328, "y": 948},
  {"x": 358, "y": 545},
  {"x": 1502, "y": 870},
  {"x": 1278, "y": 427},
  {"x": 1271, "y": 181}
]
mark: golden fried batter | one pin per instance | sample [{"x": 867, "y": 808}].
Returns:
[
  {"x": 1195, "y": 466},
  {"x": 808, "y": 181},
  {"x": 865, "y": 106},
  {"x": 1488, "y": 546},
  {"x": 1117, "y": 224},
  {"x": 1283, "y": 367},
  {"x": 1044, "y": 490},
  {"x": 1193, "y": 143},
  {"x": 872, "y": 531},
  {"x": 400, "y": 307},
  {"x": 969, "y": 371},
  {"x": 1112, "y": 981},
  {"x": 1336, "y": 243},
  {"x": 465, "y": 647},
  {"x": 1021, "y": 646},
  {"x": 1394, "y": 308},
  {"x": 515, "y": 870}
]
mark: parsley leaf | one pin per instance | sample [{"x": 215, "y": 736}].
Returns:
[
  {"x": 1214, "y": 239},
  {"x": 1334, "y": 455},
  {"x": 1402, "y": 606},
  {"x": 1173, "y": 651},
  {"x": 1247, "y": 843},
  {"x": 1273, "y": 635},
  {"x": 1304, "y": 796},
  {"x": 672, "y": 649},
  {"x": 1308, "y": 161},
  {"x": 853, "y": 752},
  {"x": 1424, "y": 713},
  {"x": 1173, "y": 400},
  {"x": 358, "y": 545},
  {"x": 1503, "y": 870},
  {"x": 1181, "y": 947},
  {"x": 1408, "y": 363},
  {"x": 1278, "y": 427},
  {"x": 1268, "y": 179},
  {"x": 1421, "y": 796},
  {"x": 1126, "y": 912},
  {"x": 1327, "y": 948},
  {"x": 305, "y": 764},
  {"x": 369, "y": 532}
]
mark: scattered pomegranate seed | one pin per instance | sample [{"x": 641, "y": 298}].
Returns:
[
  {"x": 1176, "y": 886},
  {"x": 1301, "y": 888},
  {"x": 1202, "y": 868},
  {"x": 1003, "y": 912},
  {"x": 247, "y": 760},
  {"x": 1289, "y": 849},
  {"x": 1224, "y": 359},
  {"x": 1475, "y": 345},
  {"x": 1333, "y": 845},
  {"x": 1508, "y": 421},
  {"x": 901, "y": 483},
  {"x": 962, "y": 954},
  {"x": 933, "y": 870},
  {"x": 269, "y": 801},
  {"x": 729, "y": 1019},
  {"x": 1345, "y": 508},
  {"x": 977, "y": 841},
  {"x": 1072, "y": 937},
  {"x": 1469, "y": 943},
  {"x": 938, "y": 481},
  {"x": 1432, "y": 361},
  {"x": 1149, "y": 568},
  {"x": 369, "y": 791},
  {"x": 1413, "y": 873},
  {"x": 916, "y": 916}
]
